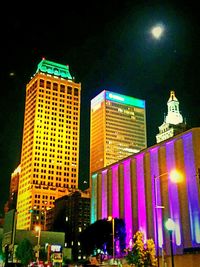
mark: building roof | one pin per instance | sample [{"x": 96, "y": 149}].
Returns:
[{"x": 54, "y": 68}]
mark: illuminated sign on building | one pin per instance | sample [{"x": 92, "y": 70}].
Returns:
[
  {"x": 56, "y": 248},
  {"x": 114, "y": 97},
  {"x": 125, "y": 99}
]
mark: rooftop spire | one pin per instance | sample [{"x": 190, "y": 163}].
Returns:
[
  {"x": 172, "y": 96},
  {"x": 173, "y": 116}
]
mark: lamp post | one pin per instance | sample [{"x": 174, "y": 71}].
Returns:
[
  {"x": 170, "y": 225},
  {"x": 110, "y": 218},
  {"x": 156, "y": 213},
  {"x": 175, "y": 177},
  {"x": 38, "y": 230}
]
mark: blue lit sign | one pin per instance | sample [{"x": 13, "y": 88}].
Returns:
[{"x": 128, "y": 100}]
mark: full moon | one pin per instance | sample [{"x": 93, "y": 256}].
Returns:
[{"x": 157, "y": 31}]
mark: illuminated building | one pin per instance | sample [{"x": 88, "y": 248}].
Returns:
[
  {"x": 173, "y": 122},
  {"x": 50, "y": 146},
  {"x": 14, "y": 182},
  {"x": 117, "y": 130},
  {"x": 126, "y": 190}
]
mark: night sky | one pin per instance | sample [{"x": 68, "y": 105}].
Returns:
[{"x": 107, "y": 45}]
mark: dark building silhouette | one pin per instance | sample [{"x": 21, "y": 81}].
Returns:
[{"x": 71, "y": 215}]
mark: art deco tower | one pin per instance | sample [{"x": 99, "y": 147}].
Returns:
[
  {"x": 117, "y": 128},
  {"x": 50, "y": 146}
]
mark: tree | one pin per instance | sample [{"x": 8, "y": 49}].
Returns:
[
  {"x": 141, "y": 254},
  {"x": 150, "y": 253},
  {"x": 25, "y": 252},
  {"x": 2, "y": 255},
  {"x": 98, "y": 236}
]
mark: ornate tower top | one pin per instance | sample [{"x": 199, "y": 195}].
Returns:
[
  {"x": 173, "y": 116},
  {"x": 56, "y": 69},
  {"x": 173, "y": 122}
]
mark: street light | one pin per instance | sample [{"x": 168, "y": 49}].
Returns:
[
  {"x": 170, "y": 225},
  {"x": 175, "y": 177},
  {"x": 38, "y": 230},
  {"x": 110, "y": 218}
]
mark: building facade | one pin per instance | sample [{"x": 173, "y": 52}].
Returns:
[
  {"x": 139, "y": 189},
  {"x": 117, "y": 128},
  {"x": 14, "y": 183},
  {"x": 173, "y": 122},
  {"x": 50, "y": 145}
]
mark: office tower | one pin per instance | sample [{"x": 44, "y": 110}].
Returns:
[
  {"x": 117, "y": 128},
  {"x": 173, "y": 122},
  {"x": 50, "y": 146}
]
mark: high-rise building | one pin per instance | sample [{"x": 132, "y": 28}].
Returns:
[
  {"x": 50, "y": 146},
  {"x": 173, "y": 122},
  {"x": 117, "y": 128}
]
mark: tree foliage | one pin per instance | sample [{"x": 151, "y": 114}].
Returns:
[
  {"x": 2, "y": 255},
  {"x": 25, "y": 252},
  {"x": 141, "y": 254}
]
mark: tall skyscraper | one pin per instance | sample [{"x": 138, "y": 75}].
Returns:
[
  {"x": 117, "y": 128},
  {"x": 50, "y": 146},
  {"x": 173, "y": 122}
]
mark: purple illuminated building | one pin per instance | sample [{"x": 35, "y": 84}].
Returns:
[{"x": 127, "y": 190}]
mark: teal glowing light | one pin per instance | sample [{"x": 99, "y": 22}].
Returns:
[
  {"x": 93, "y": 217},
  {"x": 55, "y": 69},
  {"x": 123, "y": 99}
]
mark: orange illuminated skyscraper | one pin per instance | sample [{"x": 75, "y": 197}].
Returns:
[
  {"x": 50, "y": 146},
  {"x": 117, "y": 128}
]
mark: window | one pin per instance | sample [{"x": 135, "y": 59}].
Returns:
[
  {"x": 62, "y": 88},
  {"x": 69, "y": 90},
  {"x": 41, "y": 83},
  {"x": 75, "y": 91},
  {"x": 48, "y": 86},
  {"x": 55, "y": 86}
]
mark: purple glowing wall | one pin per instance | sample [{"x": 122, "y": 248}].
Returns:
[
  {"x": 192, "y": 189},
  {"x": 104, "y": 191},
  {"x": 127, "y": 201},
  {"x": 115, "y": 192},
  {"x": 142, "y": 220},
  {"x": 156, "y": 195},
  {"x": 173, "y": 193}
]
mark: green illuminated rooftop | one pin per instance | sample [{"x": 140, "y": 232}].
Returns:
[{"x": 54, "y": 68}]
